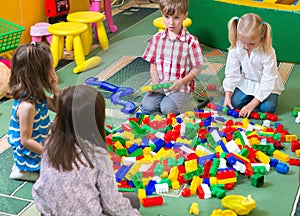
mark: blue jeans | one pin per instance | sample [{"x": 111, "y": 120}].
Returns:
[
  {"x": 158, "y": 102},
  {"x": 239, "y": 100}
]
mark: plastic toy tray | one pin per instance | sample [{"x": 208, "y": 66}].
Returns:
[{"x": 10, "y": 34}]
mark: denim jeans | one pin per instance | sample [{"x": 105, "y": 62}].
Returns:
[
  {"x": 239, "y": 100},
  {"x": 158, "y": 102}
]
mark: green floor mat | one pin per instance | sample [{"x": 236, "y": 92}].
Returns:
[{"x": 129, "y": 17}]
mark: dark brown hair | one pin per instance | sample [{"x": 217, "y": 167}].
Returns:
[
  {"x": 79, "y": 124},
  {"x": 31, "y": 68}
]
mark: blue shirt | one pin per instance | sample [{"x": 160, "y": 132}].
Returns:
[{"x": 25, "y": 159}]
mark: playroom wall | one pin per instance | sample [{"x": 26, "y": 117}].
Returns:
[{"x": 28, "y": 12}]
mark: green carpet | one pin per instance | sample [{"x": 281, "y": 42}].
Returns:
[
  {"x": 128, "y": 17},
  {"x": 15, "y": 195}
]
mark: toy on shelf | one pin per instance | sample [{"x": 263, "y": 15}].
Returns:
[
  {"x": 57, "y": 10},
  {"x": 118, "y": 93},
  {"x": 156, "y": 87},
  {"x": 239, "y": 204}
]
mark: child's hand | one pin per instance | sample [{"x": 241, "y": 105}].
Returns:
[
  {"x": 54, "y": 80},
  {"x": 177, "y": 84},
  {"x": 246, "y": 111},
  {"x": 249, "y": 108},
  {"x": 227, "y": 100}
]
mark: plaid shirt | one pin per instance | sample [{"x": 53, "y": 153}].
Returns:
[{"x": 174, "y": 58}]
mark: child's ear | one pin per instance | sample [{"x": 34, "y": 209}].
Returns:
[{"x": 186, "y": 15}]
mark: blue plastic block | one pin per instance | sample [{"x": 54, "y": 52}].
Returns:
[{"x": 282, "y": 168}]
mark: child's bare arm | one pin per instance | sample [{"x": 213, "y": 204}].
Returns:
[
  {"x": 177, "y": 84},
  {"x": 52, "y": 100},
  {"x": 26, "y": 112},
  {"x": 154, "y": 74},
  {"x": 227, "y": 99}
]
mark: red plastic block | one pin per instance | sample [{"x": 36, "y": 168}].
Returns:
[
  {"x": 186, "y": 192},
  {"x": 152, "y": 201},
  {"x": 294, "y": 162},
  {"x": 295, "y": 145},
  {"x": 211, "y": 87}
]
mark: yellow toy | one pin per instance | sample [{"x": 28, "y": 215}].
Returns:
[
  {"x": 73, "y": 32},
  {"x": 159, "y": 23},
  {"x": 194, "y": 209},
  {"x": 89, "y": 17},
  {"x": 219, "y": 212},
  {"x": 239, "y": 204}
]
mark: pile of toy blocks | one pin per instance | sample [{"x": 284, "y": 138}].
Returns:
[{"x": 202, "y": 149}]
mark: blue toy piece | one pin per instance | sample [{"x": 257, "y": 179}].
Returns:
[{"x": 118, "y": 93}]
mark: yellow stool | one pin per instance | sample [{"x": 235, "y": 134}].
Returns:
[
  {"x": 89, "y": 17},
  {"x": 159, "y": 23},
  {"x": 71, "y": 31}
]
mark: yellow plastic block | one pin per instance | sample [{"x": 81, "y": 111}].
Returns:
[
  {"x": 245, "y": 122},
  {"x": 290, "y": 137},
  {"x": 118, "y": 145},
  {"x": 138, "y": 141},
  {"x": 262, "y": 157},
  {"x": 146, "y": 180},
  {"x": 213, "y": 180},
  {"x": 175, "y": 185},
  {"x": 189, "y": 114},
  {"x": 281, "y": 156},
  {"x": 191, "y": 165},
  {"x": 133, "y": 170},
  {"x": 185, "y": 141},
  {"x": 141, "y": 194},
  {"x": 146, "y": 151},
  {"x": 200, "y": 153},
  {"x": 297, "y": 152},
  {"x": 173, "y": 173},
  {"x": 146, "y": 88},
  {"x": 128, "y": 135},
  {"x": 194, "y": 184},
  {"x": 219, "y": 149},
  {"x": 158, "y": 117},
  {"x": 254, "y": 140},
  {"x": 164, "y": 174},
  {"x": 128, "y": 143},
  {"x": 226, "y": 181}
]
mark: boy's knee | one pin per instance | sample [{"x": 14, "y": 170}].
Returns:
[
  {"x": 148, "y": 108},
  {"x": 165, "y": 110}
]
